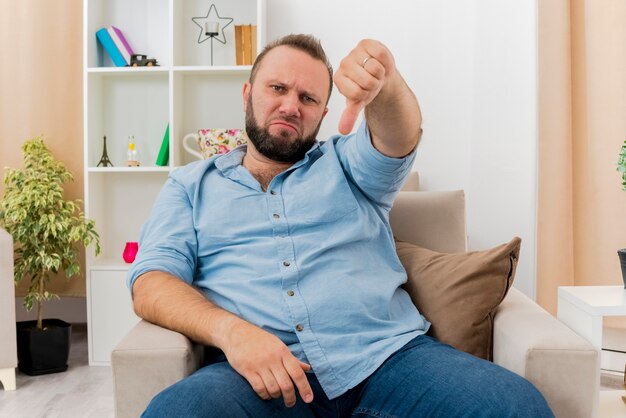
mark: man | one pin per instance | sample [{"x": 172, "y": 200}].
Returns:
[{"x": 280, "y": 254}]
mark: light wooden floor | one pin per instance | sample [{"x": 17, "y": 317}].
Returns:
[{"x": 80, "y": 392}]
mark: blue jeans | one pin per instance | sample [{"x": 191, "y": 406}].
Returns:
[{"x": 424, "y": 378}]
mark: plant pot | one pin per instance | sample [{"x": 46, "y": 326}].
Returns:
[
  {"x": 43, "y": 351},
  {"x": 622, "y": 261}
]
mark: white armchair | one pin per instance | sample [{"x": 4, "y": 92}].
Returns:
[{"x": 527, "y": 340}]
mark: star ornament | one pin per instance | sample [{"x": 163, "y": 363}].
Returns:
[{"x": 212, "y": 16}]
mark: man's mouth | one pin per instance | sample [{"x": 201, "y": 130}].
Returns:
[{"x": 284, "y": 125}]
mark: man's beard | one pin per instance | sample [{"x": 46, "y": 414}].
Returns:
[{"x": 277, "y": 148}]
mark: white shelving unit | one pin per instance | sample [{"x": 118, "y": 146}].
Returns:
[{"x": 185, "y": 91}]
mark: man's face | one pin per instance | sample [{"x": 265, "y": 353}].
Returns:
[{"x": 286, "y": 105}]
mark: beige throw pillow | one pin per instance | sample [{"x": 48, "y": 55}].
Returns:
[{"x": 459, "y": 293}]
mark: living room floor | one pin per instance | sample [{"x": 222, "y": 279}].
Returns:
[
  {"x": 81, "y": 392},
  {"x": 87, "y": 392}
]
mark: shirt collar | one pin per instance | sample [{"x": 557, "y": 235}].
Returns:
[{"x": 233, "y": 159}]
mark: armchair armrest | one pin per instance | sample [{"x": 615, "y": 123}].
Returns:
[
  {"x": 560, "y": 363},
  {"x": 145, "y": 362},
  {"x": 8, "y": 346}
]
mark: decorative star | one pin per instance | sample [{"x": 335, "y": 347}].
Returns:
[{"x": 223, "y": 21}]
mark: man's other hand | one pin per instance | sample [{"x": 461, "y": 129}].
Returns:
[
  {"x": 266, "y": 363},
  {"x": 360, "y": 77}
]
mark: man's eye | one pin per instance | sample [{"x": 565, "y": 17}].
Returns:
[
  {"x": 278, "y": 88},
  {"x": 309, "y": 99}
]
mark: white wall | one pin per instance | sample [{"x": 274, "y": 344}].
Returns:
[{"x": 472, "y": 65}]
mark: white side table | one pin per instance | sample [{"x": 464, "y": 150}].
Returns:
[{"x": 582, "y": 308}]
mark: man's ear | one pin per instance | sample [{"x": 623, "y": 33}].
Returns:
[
  {"x": 325, "y": 112},
  {"x": 246, "y": 95}
]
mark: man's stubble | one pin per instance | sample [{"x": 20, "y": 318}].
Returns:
[{"x": 277, "y": 148}]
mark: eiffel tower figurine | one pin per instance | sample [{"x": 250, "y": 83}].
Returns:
[{"x": 104, "y": 160}]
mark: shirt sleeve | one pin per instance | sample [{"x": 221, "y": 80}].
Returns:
[
  {"x": 168, "y": 240},
  {"x": 378, "y": 176}
]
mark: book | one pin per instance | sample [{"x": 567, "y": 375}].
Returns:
[
  {"x": 121, "y": 43},
  {"x": 164, "y": 151},
  {"x": 246, "y": 45},
  {"x": 252, "y": 44},
  {"x": 239, "y": 44},
  {"x": 109, "y": 46}
]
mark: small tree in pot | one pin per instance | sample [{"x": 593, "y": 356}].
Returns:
[
  {"x": 46, "y": 229},
  {"x": 621, "y": 164},
  {"x": 621, "y": 167}
]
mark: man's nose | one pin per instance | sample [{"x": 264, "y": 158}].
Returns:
[{"x": 290, "y": 105}]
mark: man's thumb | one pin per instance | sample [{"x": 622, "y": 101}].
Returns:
[{"x": 349, "y": 116}]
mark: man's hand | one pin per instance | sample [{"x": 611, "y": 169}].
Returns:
[
  {"x": 261, "y": 358},
  {"x": 360, "y": 77},
  {"x": 266, "y": 363}
]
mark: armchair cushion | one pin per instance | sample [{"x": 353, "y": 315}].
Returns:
[{"x": 460, "y": 292}]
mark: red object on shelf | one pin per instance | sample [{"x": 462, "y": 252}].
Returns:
[{"x": 130, "y": 251}]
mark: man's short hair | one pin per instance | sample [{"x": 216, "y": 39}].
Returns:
[{"x": 305, "y": 43}]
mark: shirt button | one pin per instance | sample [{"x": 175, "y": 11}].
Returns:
[
  {"x": 273, "y": 191},
  {"x": 276, "y": 216},
  {"x": 286, "y": 263},
  {"x": 299, "y": 327},
  {"x": 291, "y": 293}
]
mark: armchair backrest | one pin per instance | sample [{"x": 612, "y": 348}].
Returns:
[{"x": 434, "y": 220}]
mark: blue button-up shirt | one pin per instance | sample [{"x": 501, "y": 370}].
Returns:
[{"x": 311, "y": 260}]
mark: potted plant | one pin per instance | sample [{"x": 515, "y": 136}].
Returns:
[
  {"x": 621, "y": 167},
  {"x": 46, "y": 229}
]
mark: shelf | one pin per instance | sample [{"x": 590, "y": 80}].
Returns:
[
  {"x": 124, "y": 103},
  {"x": 215, "y": 70},
  {"x": 183, "y": 93},
  {"x": 129, "y": 169},
  {"x": 120, "y": 206},
  {"x": 186, "y": 49},
  {"x": 144, "y": 23},
  {"x": 110, "y": 264},
  {"x": 194, "y": 69},
  {"x": 200, "y": 100},
  {"x": 127, "y": 70}
]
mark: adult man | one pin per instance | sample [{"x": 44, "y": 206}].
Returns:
[{"x": 288, "y": 248}]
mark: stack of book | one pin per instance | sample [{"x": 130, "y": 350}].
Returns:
[
  {"x": 245, "y": 44},
  {"x": 116, "y": 45}
]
